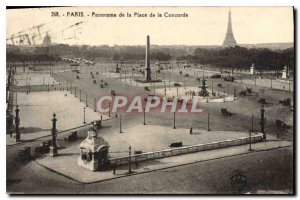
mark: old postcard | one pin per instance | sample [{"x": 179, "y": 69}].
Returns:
[{"x": 150, "y": 100}]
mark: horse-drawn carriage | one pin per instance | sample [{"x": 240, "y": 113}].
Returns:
[{"x": 225, "y": 112}]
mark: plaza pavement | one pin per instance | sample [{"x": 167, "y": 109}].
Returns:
[
  {"x": 274, "y": 84},
  {"x": 66, "y": 164},
  {"x": 42, "y": 78},
  {"x": 148, "y": 138},
  {"x": 36, "y": 113},
  {"x": 150, "y": 85}
]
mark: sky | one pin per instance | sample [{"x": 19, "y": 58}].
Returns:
[{"x": 203, "y": 26}]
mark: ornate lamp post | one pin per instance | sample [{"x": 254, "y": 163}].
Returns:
[
  {"x": 208, "y": 125},
  {"x": 262, "y": 121},
  {"x": 86, "y": 102},
  {"x": 17, "y": 121},
  {"x": 250, "y": 149},
  {"x": 252, "y": 119},
  {"x": 109, "y": 108},
  {"x": 174, "y": 126},
  {"x": 129, "y": 160},
  {"x": 16, "y": 98},
  {"x": 144, "y": 117},
  {"x": 53, "y": 148},
  {"x": 80, "y": 95},
  {"x": 121, "y": 124},
  {"x": 251, "y": 130},
  {"x": 84, "y": 115}
]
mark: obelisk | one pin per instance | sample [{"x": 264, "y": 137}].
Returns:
[{"x": 147, "y": 60}]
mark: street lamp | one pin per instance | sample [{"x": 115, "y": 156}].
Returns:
[
  {"x": 84, "y": 115},
  {"x": 129, "y": 160},
  {"x": 121, "y": 124},
  {"x": 80, "y": 95},
  {"x": 144, "y": 117},
  {"x": 17, "y": 122},
  {"x": 208, "y": 127},
  {"x": 262, "y": 121},
  {"x": 109, "y": 108},
  {"x": 252, "y": 128},
  {"x": 16, "y": 98},
  {"x": 86, "y": 102},
  {"x": 174, "y": 126},
  {"x": 53, "y": 148},
  {"x": 250, "y": 149}
]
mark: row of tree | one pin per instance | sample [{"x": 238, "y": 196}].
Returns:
[
  {"x": 18, "y": 57},
  {"x": 156, "y": 55},
  {"x": 115, "y": 53},
  {"x": 234, "y": 57}
]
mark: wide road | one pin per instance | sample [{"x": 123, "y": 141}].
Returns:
[{"x": 270, "y": 170}]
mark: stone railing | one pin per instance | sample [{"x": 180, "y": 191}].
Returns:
[{"x": 185, "y": 150}]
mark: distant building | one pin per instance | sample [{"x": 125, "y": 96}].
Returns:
[
  {"x": 229, "y": 39},
  {"x": 47, "y": 40}
]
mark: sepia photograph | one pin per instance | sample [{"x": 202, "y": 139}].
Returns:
[{"x": 150, "y": 100}]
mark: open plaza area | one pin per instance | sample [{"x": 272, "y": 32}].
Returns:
[
  {"x": 41, "y": 106},
  {"x": 158, "y": 133}
]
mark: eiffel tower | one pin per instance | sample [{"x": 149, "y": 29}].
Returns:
[{"x": 229, "y": 39}]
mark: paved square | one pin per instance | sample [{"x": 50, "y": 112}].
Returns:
[{"x": 37, "y": 108}]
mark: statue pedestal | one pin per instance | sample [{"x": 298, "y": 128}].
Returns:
[
  {"x": 251, "y": 70},
  {"x": 284, "y": 74},
  {"x": 53, "y": 151}
]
